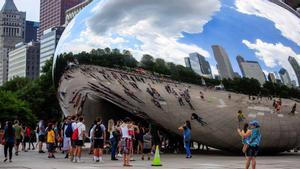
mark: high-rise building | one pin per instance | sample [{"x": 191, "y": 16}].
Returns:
[
  {"x": 31, "y": 31},
  {"x": 198, "y": 64},
  {"x": 24, "y": 61},
  {"x": 49, "y": 41},
  {"x": 296, "y": 67},
  {"x": 12, "y": 31},
  {"x": 251, "y": 69},
  {"x": 52, "y": 13},
  {"x": 285, "y": 77},
  {"x": 271, "y": 77},
  {"x": 72, "y": 12},
  {"x": 223, "y": 62},
  {"x": 187, "y": 62}
]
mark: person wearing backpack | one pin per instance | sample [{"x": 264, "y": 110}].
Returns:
[
  {"x": 78, "y": 136},
  {"x": 99, "y": 136}
]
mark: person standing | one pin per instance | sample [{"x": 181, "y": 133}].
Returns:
[
  {"x": 113, "y": 138},
  {"x": 42, "y": 132},
  {"x": 186, "y": 128},
  {"x": 67, "y": 133},
  {"x": 80, "y": 132},
  {"x": 253, "y": 143},
  {"x": 18, "y": 130},
  {"x": 51, "y": 140},
  {"x": 9, "y": 140},
  {"x": 99, "y": 136},
  {"x": 147, "y": 144},
  {"x": 126, "y": 141}
]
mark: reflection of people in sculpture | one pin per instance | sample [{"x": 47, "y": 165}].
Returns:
[
  {"x": 198, "y": 118},
  {"x": 293, "y": 111},
  {"x": 240, "y": 117}
]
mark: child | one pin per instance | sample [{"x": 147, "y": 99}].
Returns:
[
  {"x": 147, "y": 138},
  {"x": 51, "y": 141}
]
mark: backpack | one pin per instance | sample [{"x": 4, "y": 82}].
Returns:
[
  {"x": 69, "y": 130},
  {"x": 75, "y": 134},
  {"x": 98, "y": 131}
]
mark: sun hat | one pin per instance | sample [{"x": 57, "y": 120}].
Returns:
[{"x": 254, "y": 123}]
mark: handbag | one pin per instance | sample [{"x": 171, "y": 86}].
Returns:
[
  {"x": 3, "y": 142},
  {"x": 245, "y": 147}
]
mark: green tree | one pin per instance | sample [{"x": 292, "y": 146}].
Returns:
[
  {"x": 161, "y": 67},
  {"x": 147, "y": 62},
  {"x": 12, "y": 108}
]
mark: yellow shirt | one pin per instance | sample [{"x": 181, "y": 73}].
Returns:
[{"x": 51, "y": 136}]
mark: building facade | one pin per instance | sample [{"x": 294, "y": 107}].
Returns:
[
  {"x": 272, "y": 77},
  {"x": 52, "y": 13},
  {"x": 285, "y": 77},
  {"x": 31, "y": 32},
  {"x": 72, "y": 12},
  {"x": 12, "y": 31},
  {"x": 251, "y": 69},
  {"x": 24, "y": 61},
  {"x": 198, "y": 64},
  {"x": 223, "y": 62},
  {"x": 296, "y": 67},
  {"x": 49, "y": 41}
]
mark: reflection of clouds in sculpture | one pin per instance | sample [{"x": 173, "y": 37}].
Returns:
[
  {"x": 274, "y": 54},
  {"x": 152, "y": 27},
  {"x": 285, "y": 21}
]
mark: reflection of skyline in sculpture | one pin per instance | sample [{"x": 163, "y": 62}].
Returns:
[{"x": 197, "y": 63}]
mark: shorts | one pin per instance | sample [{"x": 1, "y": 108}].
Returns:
[
  {"x": 51, "y": 147},
  {"x": 73, "y": 143},
  {"x": 26, "y": 139},
  {"x": 79, "y": 143},
  {"x": 98, "y": 143},
  {"x": 252, "y": 151},
  {"x": 18, "y": 141},
  {"x": 146, "y": 150},
  {"x": 126, "y": 145},
  {"x": 66, "y": 143},
  {"x": 42, "y": 138}
]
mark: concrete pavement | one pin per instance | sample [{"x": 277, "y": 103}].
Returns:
[{"x": 215, "y": 160}]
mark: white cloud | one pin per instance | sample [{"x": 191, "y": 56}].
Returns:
[
  {"x": 274, "y": 55},
  {"x": 285, "y": 21},
  {"x": 144, "y": 26}
]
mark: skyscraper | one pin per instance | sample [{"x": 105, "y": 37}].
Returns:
[
  {"x": 271, "y": 77},
  {"x": 187, "y": 62},
  {"x": 251, "y": 69},
  {"x": 49, "y": 41},
  {"x": 285, "y": 77},
  {"x": 52, "y": 12},
  {"x": 12, "y": 26},
  {"x": 223, "y": 62},
  {"x": 31, "y": 31},
  {"x": 72, "y": 12},
  {"x": 296, "y": 67},
  {"x": 198, "y": 64},
  {"x": 24, "y": 60}
]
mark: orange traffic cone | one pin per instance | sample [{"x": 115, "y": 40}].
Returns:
[{"x": 156, "y": 160}]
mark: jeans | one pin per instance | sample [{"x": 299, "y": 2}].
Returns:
[
  {"x": 187, "y": 148},
  {"x": 8, "y": 147},
  {"x": 114, "y": 144}
]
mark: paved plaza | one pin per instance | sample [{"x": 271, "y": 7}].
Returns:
[{"x": 213, "y": 160}]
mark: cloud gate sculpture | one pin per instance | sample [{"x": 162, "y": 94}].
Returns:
[{"x": 96, "y": 65}]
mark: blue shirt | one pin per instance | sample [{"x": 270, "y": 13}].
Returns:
[
  {"x": 255, "y": 137},
  {"x": 9, "y": 138},
  {"x": 186, "y": 133}
]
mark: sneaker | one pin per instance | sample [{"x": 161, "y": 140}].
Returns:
[
  {"x": 74, "y": 160},
  {"x": 142, "y": 158},
  {"x": 78, "y": 160},
  {"x": 114, "y": 159},
  {"x": 120, "y": 155}
]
